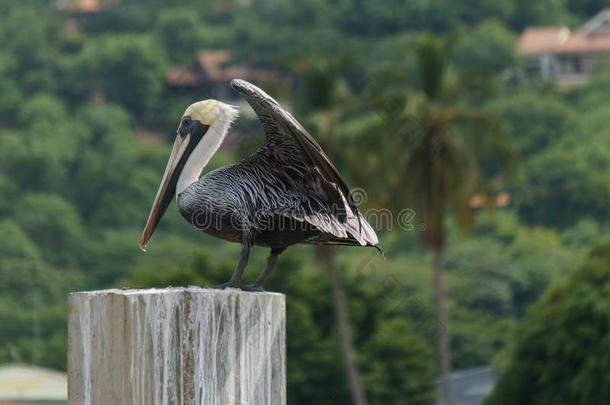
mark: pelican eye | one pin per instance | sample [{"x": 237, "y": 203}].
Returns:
[{"x": 185, "y": 126}]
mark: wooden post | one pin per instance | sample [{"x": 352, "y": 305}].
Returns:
[{"x": 176, "y": 346}]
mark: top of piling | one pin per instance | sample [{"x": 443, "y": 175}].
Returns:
[{"x": 173, "y": 290}]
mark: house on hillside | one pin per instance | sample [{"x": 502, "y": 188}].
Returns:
[
  {"x": 22, "y": 384},
  {"x": 79, "y": 10},
  {"x": 83, "y": 6},
  {"x": 568, "y": 57},
  {"x": 211, "y": 73}
]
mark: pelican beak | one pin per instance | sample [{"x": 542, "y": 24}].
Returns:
[{"x": 183, "y": 147}]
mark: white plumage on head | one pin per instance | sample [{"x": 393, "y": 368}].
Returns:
[{"x": 219, "y": 117}]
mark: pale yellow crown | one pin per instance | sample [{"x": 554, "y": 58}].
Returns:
[{"x": 209, "y": 111}]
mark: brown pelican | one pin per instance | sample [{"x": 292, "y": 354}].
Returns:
[{"x": 286, "y": 192}]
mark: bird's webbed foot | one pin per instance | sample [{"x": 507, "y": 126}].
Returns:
[
  {"x": 239, "y": 285},
  {"x": 253, "y": 288},
  {"x": 229, "y": 284}
]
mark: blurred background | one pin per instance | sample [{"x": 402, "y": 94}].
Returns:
[{"x": 480, "y": 131}]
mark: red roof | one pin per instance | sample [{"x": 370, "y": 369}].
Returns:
[
  {"x": 214, "y": 66},
  {"x": 542, "y": 40},
  {"x": 212, "y": 63},
  {"x": 593, "y": 37},
  {"x": 580, "y": 42},
  {"x": 81, "y": 6},
  {"x": 179, "y": 76}
]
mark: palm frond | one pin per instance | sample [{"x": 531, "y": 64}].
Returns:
[{"x": 433, "y": 57}]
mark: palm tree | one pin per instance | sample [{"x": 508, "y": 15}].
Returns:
[
  {"x": 434, "y": 157},
  {"x": 321, "y": 79},
  {"x": 453, "y": 153}
]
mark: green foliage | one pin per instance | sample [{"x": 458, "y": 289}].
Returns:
[
  {"x": 126, "y": 69},
  {"x": 433, "y": 55},
  {"x": 540, "y": 12},
  {"x": 9, "y": 86},
  {"x": 53, "y": 224},
  {"x": 493, "y": 278},
  {"x": 481, "y": 10},
  {"x": 375, "y": 18},
  {"x": 533, "y": 121},
  {"x": 558, "y": 356},
  {"x": 19, "y": 256},
  {"x": 489, "y": 48},
  {"x": 398, "y": 365},
  {"x": 568, "y": 181},
  {"x": 395, "y": 354},
  {"x": 452, "y": 153},
  {"x": 182, "y": 33},
  {"x": 586, "y": 8},
  {"x": 28, "y": 35},
  {"x": 84, "y": 115},
  {"x": 29, "y": 297}
]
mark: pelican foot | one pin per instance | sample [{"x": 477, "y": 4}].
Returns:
[
  {"x": 238, "y": 284},
  {"x": 253, "y": 288},
  {"x": 230, "y": 284}
]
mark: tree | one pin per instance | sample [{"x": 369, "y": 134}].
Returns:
[
  {"x": 29, "y": 297},
  {"x": 562, "y": 347},
  {"x": 81, "y": 96},
  {"x": 586, "y": 8},
  {"x": 379, "y": 18},
  {"x": 533, "y": 121},
  {"x": 179, "y": 32},
  {"x": 9, "y": 88},
  {"x": 449, "y": 157},
  {"x": 396, "y": 358},
  {"x": 33, "y": 49},
  {"x": 493, "y": 277},
  {"x": 397, "y": 366},
  {"x": 569, "y": 180},
  {"x": 110, "y": 198},
  {"x": 489, "y": 48},
  {"x": 42, "y": 146},
  {"x": 541, "y": 12},
  {"x": 478, "y": 10},
  {"x": 321, "y": 79},
  {"x": 125, "y": 69},
  {"x": 53, "y": 224}
]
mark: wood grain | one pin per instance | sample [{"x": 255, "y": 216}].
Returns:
[{"x": 176, "y": 346}]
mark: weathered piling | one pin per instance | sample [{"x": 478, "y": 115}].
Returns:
[{"x": 176, "y": 346}]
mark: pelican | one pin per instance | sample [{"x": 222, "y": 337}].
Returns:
[{"x": 287, "y": 192}]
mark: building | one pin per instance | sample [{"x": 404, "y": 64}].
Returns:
[
  {"x": 83, "y": 6},
  {"x": 210, "y": 74},
  {"x": 471, "y": 386},
  {"x": 565, "y": 56},
  {"x": 22, "y": 384}
]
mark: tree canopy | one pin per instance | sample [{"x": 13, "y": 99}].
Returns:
[
  {"x": 85, "y": 116},
  {"x": 558, "y": 354}
]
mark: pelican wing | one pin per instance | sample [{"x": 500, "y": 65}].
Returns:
[
  {"x": 283, "y": 130},
  {"x": 294, "y": 146}
]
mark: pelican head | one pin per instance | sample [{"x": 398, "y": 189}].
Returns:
[{"x": 202, "y": 128}]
